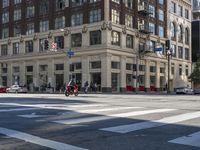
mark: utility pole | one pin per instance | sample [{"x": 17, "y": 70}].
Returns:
[{"x": 169, "y": 53}]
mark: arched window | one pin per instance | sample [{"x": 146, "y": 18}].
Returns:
[
  {"x": 186, "y": 36},
  {"x": 180, "y": 33},
  {"x": 173, "y": 30},
  {"x": 60, "y": 4}
]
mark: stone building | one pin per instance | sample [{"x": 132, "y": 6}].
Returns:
[{"x": 117, "y": 44}]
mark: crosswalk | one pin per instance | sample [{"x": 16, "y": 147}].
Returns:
[{"x": 96, "y": 113}]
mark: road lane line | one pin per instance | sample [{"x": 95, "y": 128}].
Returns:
[
  {"x": 152, "y": 124},
  {"x": 37, "y": 140},
  {"x": 112, "y": 116},
  {"x": 18, "y": 109},
  {"x": 191, "y": 140}
]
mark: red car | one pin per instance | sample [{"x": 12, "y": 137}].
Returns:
[{"x": 2, "y": 89}]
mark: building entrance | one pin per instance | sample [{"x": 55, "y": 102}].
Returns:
[
  {"x": 59, "y": 82},
  {"x": 95, "y": 81}
]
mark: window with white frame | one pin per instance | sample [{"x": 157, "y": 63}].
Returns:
[
  {"x": 152, "y": 11},
  {"x": 115, "y": 16},
  {"x": 30, "y": 29},
  {"x": 5, "y": 17},
  {"x": 186, "y": 13},
  {"x": 129, "y": 20},
  {"x": 187, "y": 54},
  {"x": 129, "y": 41},
  {"x": 15, "y": 48},
  {"x": 116, "y": 1},
  {"x": 173, "y": 50},
  {"x": 129, "y": 3},
  {"x": 180, "y": 52},
  {"x": 44, "y": 25},
  {"x": 60, "y": 4},
  {"x": 161, "y": 15},
  {"x": 59, "y": 40},
  {"x": 180, "y": 33},
  {"x": 161, "y": 31},
  {"x": 29, "y": 46},
  {"x": 60, "y": 22},
  {"x": 95, "y": 15},
  {"x": 4, "y": 50},
  {"x": 77, "y": 19},
  {"x": 187, "y": 38},
  {"x": 152, "y": 28},
  {"x": 173, "y": 30},
  {"x": 180, "y": 10},
  {"x": 173, "y": 7},
  {"x": 17, "y": 30},
  {"x": 115, "y": 38},
  {"x": 17, "y": 1},
  {"x": 42, "y": 44},
  {"x": 17, "y": 14},
  {"x": 5, "y": 33},
  {"x": 44, "y": 6},
  {"x": 5, "y": 3},
  {"x": 30, "y": 11}
]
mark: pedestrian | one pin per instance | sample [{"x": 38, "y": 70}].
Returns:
[
  {"x": 95, "y": 87},
  {"x": 91, "y": 86},
  {"x": 86, "y": 85}
]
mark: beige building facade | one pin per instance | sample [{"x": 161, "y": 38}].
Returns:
[{"x": 114, "y": 63}]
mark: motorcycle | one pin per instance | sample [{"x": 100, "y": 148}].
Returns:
[{"x": 71, "y": 90}]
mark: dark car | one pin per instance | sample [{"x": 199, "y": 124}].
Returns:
[
  {"x": 2, "y": 89},
  {"x": 184, "y": 90},
  {"x": 197, "y": 91}
]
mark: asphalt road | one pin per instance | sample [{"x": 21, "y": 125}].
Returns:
[{"x": 99, "y": 122}]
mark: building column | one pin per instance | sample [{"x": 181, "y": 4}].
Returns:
[
  {"x": 106, "y": 72},
  {"x": 51, "y": 75},
  {"x": 123, "y": 74},
  {"x": 36, "y": 45},
  {"x": 36, "y": 74},
  {"x": 157, "y": 76},
  {"x": 22, "y": 48},
  {"x": 85, "y": 39},
  {"x": 147, "y": 76},
  {"x": 22, "y": 73},
  {"x": 106, "y": 37},
  {"x": 85, "y": 69},
  {"x": 10, "y": 74},
  {"x": 106, "y": 10},
  {"x": 67, "y": 69}
]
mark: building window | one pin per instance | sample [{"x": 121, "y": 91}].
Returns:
[
  {"x": 4, "y": 50},
  {"x": 116, "y": 1},
  {"x": 186, "y": 70},
  {"x": 5, "y": 17},
  {"x": 17, "y": 1},
  {"x": 129, "y": 66},
  {"x": 43, "y": 67},
  {"x": 180, "y": 52},
  {"x": 76, "y": 40},
  {"x": 129, "y": 20},
  {"x": 44, "y": 26},
  {"x": 186, "y": 14},
  {"x": 153, "y": 69},
  {"x": 161, "y": 31},
  {"x": 162, "y": 70},
  {"x": 152, "y": 11},
  {"x": 115, "y": 38},
  {"x": 129, "y": 3},
  {"x": 60, "y": 4},
  {"x": 180, "y": 70},
  {"x": 44, "y": 7},
  {"x": 142, "y": 68},
  {"x": 152, "y": 28},
  {"x": 17, "y": 14},
  {"x": 15, "y": 48},
  {"x": 95, "y": 15},
  {"x": 161, "y": 15},
  {"x": 115, "y": 65},
  {"x": 115, "y": 16},
  {"x": 77, "y": 19},
  {"x": 30, "y": 11},
  {"x": 180, "y": 10},
  {"x": 187, "y": 36},
  {"x": 187, "y": 54},
  {"x": 30, "y": 29},
  {"x": 17, "y": 31},
  {"x": 59, "y": 40},
  {"x": 59, "y": 66},
  {"x": 95, "y": 37},
  {"x": 42, "y": 45},
  {"x": 5, "y": 3},
  {"x": 173, "y": 7},
  {"x": 129, "y": 41},
  {"x": 16, "y": 69},
  {"x": 60, "y": 22},
  {"x": 172, "y": 70},
  {"x": 95, "y": 64},
  {"x": 180, "y": 33},
  {"x": 5, "y": 33},
  {"x": 77, "y": 3},
  {"x": 173, "y": 48},
  {"x": 161, "y": 2},
  {"x": 173, "y": 30},
  {"x": 29, "y": 68},
  {"x": 29, "y": 46}
]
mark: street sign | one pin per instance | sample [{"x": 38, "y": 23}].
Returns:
[
  {"x": 158, "y": 49},
  {"x": 70, "y": 53}
]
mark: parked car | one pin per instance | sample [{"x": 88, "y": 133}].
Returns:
[
  {"x": 2, "y": 89},
  {"x": 16, "y": 89},
  {"x": 197, "y": 91},
  {"x": 184, "y": 90}
]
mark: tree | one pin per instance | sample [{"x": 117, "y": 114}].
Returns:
[{"x": 195, "y": 76}]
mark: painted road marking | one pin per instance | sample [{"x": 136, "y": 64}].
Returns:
[
  {"x": 18, "y": 109},
  {"x": 192, "y": 140},
  {"x": 112, "y": 116},
  {"x": 37, "y": 140},
  {"x": 152, "y": 124}
]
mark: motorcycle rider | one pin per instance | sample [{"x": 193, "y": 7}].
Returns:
[{"x": 71, "y": 84}]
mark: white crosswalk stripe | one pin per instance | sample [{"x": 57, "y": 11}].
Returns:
[
  {"x": 154, "y": 123},
  {"x": 112, "y": 116},
  {"x": 191, "y": 140}
]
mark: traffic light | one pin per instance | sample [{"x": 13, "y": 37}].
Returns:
[
  {"x": 46, "y": 44},
  {"x": 168, "y": 44}
]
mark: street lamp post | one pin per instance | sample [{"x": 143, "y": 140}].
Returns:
[{"x": 168, "y": 61}]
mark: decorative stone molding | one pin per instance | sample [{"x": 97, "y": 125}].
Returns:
[
  {"x": 109, "y": 25},
  {"x": 67, "y": 32},
  {"x": 158, "y": 40},
  {"x": 9, "y": 41},
  {"x": 85, "y": 29},
  {"x": 35, "y": 37},
  {"x": 21, "y": 39},
  {"x": 124, "y": 30},
  {"x": 50, "y": 35},
  {"x": 104, "y": 26}
]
